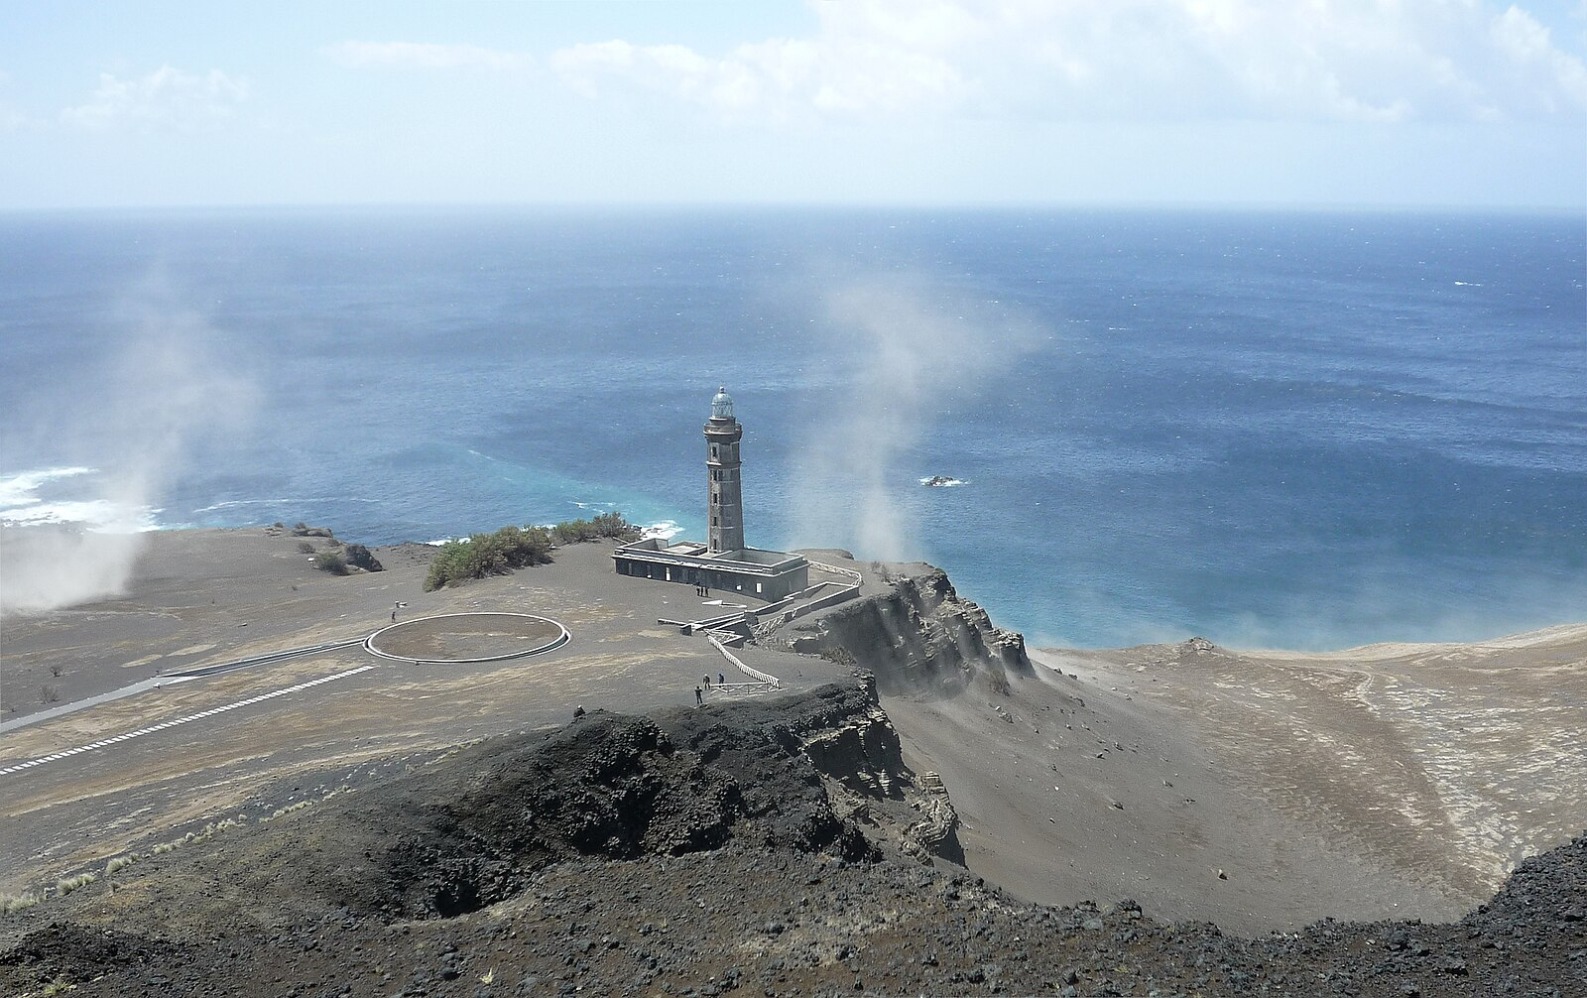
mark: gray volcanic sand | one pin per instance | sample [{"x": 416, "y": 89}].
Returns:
[
  {"x": 1379, "y": 782},
  {"x": 184, "y": 609},
  {"x": 1383, "y": 782}
]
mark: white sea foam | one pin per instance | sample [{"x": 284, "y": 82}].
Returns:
[
  {"x": 943, "y": 481},
  {"x": 311, "y": 500},
  {"x": 235, "y": 503},
  {"x": 20, "y": 489},
  {"x": 101, "y": 516},
  {"x": 22, "y": 506},
  {"x": 663, "y": 529}
]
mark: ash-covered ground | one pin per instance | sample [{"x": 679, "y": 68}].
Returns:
[
  {"x": 928, "y": 811},
  {"x": 776, "y": 848}
]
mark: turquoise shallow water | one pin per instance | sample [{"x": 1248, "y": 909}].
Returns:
[{"x": 1276, "y": 429}]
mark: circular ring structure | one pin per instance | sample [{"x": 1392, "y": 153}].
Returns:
[{"x": 467, "y": 638}]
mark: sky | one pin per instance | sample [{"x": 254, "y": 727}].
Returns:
[{"x": 1307, "y": 103}]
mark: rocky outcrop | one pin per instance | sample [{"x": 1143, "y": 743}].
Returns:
[
  {"x": 819, "y": 773},
  {"x": 850, "y": 745},
  {"x": 918, "y": 636},
  {"x": 937, "y": 831},
  {"x": 359, "y": 556}
]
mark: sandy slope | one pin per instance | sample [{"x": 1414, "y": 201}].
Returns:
[{"x": 1389, "y": 782}]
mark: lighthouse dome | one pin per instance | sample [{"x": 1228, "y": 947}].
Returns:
[{"x": 722, "y": 405}]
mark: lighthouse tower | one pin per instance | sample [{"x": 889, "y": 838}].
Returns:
[
  {"x": 724, "y": 561},
  {"x": 722, "y": 434}
]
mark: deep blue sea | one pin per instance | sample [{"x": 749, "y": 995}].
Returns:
[{"x": 1272, "y": 429}]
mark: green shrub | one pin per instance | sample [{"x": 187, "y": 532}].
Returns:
[
  {"x": 517, "y": 547},
  {"x": 331, "y": 561},
  {"x": 603, "y": 526},
  {"x": 288, "y": 809},
  {"x": 19, "y": 902},
  {"x": 65, "y": 887},
  {"x": 304, "y": 547}
]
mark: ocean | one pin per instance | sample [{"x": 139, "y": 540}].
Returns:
[{"x": 1271, "y": 429}]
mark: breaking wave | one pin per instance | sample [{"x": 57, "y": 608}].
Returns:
[
  {"x": 664, "y": 529},
  {"x": 240, "y": 503},
  {"x": 27, "y": 499}
]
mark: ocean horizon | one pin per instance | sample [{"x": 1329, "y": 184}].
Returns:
[{"x": 1305, "y": 430}]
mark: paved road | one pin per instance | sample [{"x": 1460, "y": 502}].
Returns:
[{"x": 158, "y": 682}]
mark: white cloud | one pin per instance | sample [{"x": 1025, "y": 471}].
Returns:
[
  {"x": 167, "y": 97},
  {"x": 779, "y": 76},
  {"x": 1528, "y": 45},
  {"x": 1348, "y": 60},
  {"x": 420, "y": 55}
]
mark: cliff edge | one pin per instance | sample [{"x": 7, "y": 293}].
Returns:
[{"x": 917, "y": 636}]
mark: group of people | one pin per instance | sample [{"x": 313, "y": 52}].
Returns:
[
  {"x": 702, "y": 590},
  {"x": 699, "y": 694}
]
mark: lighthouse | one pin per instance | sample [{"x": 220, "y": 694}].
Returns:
[
  {"x": 726, "y": 504},
  {"x": 723, "y": 562}
]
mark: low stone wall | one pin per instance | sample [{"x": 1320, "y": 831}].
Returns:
[
  {"x": 471, "y": 637},
  {"x": 768, "y": 619}
]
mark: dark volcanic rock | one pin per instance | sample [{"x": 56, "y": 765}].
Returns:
[
  {"x": 465, "y": 835},
  {"x": 359, "y": 556},
  {"x": 76, "y": 952}
]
